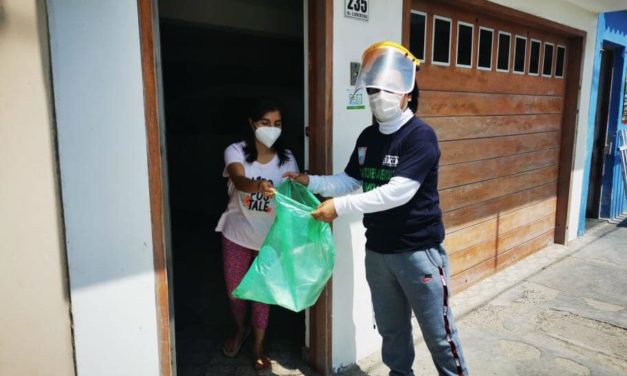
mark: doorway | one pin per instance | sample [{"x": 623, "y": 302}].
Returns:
[
  {"x": 218, "y": 57},
  {"x": 600, "y": 146}
]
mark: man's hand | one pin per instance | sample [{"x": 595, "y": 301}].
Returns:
[
  {"x": 301, "y": 178},
  {"x": 325, "y": 211}
]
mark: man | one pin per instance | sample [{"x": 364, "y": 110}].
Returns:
[{"x": 396, "y": 163}]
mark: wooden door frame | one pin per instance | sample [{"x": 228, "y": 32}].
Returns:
[
  {"x": 159, "y": 213},
  {"x": 320, "y": 126},
  {"x": 320, "y": 26},
  {"x": 576, "y": 42}
]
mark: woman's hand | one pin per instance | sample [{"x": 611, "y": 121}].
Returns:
[
  {"x": 301, "y": 178},
  {"x": 325, "y": 211},
  {"x": 266, "y": 188}
]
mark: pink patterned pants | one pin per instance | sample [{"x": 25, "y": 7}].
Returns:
[{"x": 237, "y": 261}]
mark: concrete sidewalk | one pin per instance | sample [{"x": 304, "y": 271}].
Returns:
[{"x": 561, "y": 311}]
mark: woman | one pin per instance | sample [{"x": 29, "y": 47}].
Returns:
[{"x": 253, "y": 166}]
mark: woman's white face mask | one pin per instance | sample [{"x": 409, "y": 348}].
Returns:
[
  {"x": 267, "y": 135},
  {"x": 385, "y": 106}
]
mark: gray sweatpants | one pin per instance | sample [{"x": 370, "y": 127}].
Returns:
[{"x": 416, "y": 280}]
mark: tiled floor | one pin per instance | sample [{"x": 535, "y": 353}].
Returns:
[{"x": 199, "y": 353}]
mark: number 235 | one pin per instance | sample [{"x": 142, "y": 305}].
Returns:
[{"x": 358, "y": 5}]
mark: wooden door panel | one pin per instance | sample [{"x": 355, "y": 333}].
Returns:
[
  {"x": 471, "y": 236},
  {"x": 518, "y": 218},
  {"x": 501, "y": 227},
  {"x": 472, "y": 256},
  {"x": 471, "y": 172},
  {"x": 523, "y": 234},
  {"x": 470, "y": 194},
  {"x": 446, "y": 103},
  {"x": 468, "y": 127},
  {"x": 486, "y": 148},
  {"x": 459, "y": 219},
  {"x": 484, "y": 269},
  {"x": 439, "y": 78},
  {"x": 468, "y": 277},
  {"x": 525, "y": 249}
]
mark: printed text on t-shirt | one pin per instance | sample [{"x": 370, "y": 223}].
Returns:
[
  {"x": 375, "y": 177},
  {"x": 256, "y": 201}
]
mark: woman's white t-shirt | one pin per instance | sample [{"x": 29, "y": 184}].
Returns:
[{"x": 249, "y": 216}]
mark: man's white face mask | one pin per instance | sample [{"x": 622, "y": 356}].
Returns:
[
  {"x": 267, "y": 135},
  {"x": 385, "y": 105}
]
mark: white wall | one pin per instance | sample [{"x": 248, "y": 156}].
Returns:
[
  {"x": 98, "y": 95},
  {"x": 36, "y": 334},
  {"x": 568, "y": 14},
  {"x": 354, "y": 335}
]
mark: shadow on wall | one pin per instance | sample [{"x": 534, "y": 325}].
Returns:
[
  {"x": 345, "y": 277},
  {"x": 44, "y": 48}
]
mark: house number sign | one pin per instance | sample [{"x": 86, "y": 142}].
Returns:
[{"x": 357, "y": 9}]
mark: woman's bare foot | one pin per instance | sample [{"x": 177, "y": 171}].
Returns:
[{"x": 260, "y": 361}]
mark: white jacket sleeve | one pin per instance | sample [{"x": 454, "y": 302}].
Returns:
[
  {"x": 333, "y": 185},
  {"x": 398, "y": 191}
]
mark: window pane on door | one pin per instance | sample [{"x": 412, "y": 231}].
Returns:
[
  {"x": 441, "y": 40},
  {"x": 485, "y": 48},
  {"x": 464, "y": 44},
  {"x": 534, "y": 58},
  {"x": 503, "y": 52},
  {"x": 417, "y": 34},
  {"x": 559, "y": 61},
  {"x": 520, "y": 53},
  {"x": 548, "y": 60}
]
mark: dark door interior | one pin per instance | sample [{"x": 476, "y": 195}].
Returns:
[
  {"x": 595, "y": 184},
  {"x": 211, "y": 75}
]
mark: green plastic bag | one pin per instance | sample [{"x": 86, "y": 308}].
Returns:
[{"x": 297, "y": 257}]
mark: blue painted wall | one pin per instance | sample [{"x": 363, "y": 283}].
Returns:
[{"x": 612, "y": 31}]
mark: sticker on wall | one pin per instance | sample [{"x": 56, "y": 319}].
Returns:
[
  {"x": 357, "y": 9},
  {"x": 354, "y": 101}
]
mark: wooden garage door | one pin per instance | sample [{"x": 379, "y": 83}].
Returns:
[{"x": 498, "y": 118}]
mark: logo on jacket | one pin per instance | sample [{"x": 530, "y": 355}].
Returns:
[
  {"x": 390, "y": 160},
  {"x": 361, "y": 154}
]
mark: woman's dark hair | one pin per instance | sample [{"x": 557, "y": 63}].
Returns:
[{"x": 258, "y": 110}]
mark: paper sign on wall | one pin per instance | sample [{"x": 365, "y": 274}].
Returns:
[
  {"x": 354, "y": 101},
  {"x": 357, "y": 9}
]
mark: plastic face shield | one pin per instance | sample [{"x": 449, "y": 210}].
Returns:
[{"x": 387, "y": 66}]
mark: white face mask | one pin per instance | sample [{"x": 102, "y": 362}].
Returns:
[
  {"x": 385, "y": 106},
  {"x": 267, "y": 135}
]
